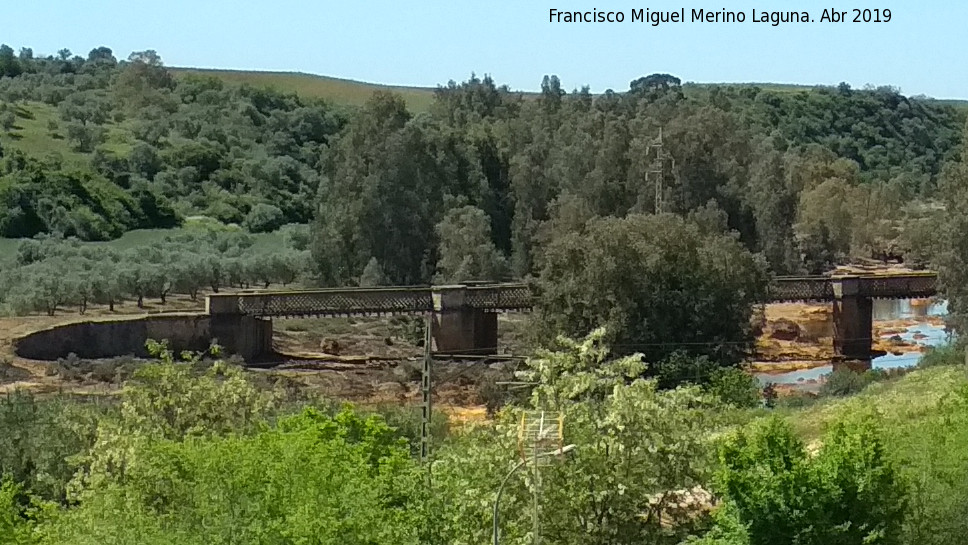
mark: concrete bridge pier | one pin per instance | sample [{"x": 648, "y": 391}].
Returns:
[
  {"x": 247, "y": 336},
  {"x": 457, "y": 327},
  {"x": 853, "y": 319}
]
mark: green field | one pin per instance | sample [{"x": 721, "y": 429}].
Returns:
[{"x": 339, "y": 91}]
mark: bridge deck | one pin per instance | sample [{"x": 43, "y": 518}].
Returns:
[
  {"x": 518, "y": 297},
  {"x": 819, "y": 288},
  {"x": 370, "y": 301}
]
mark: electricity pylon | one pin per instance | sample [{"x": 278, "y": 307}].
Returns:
[{"x": 657, "y": 169}]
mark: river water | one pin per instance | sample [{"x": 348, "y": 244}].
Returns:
[{"x": 884, "y": 310}]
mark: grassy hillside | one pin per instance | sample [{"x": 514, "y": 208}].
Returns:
[
  {"x": 340, "y": 91},
  {"x": 904, "y": 405},
  {"x": 33, "y": 134}
]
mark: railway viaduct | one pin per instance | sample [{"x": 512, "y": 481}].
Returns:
[{"x": 464, "y": 317}]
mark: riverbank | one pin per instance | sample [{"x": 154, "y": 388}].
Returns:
[{"x": 795, "y": 348}]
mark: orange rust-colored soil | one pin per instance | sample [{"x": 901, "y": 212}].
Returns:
[{"x": 813, "y": 345}]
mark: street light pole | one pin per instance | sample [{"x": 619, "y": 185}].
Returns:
[{"x": 496, "y": 531}]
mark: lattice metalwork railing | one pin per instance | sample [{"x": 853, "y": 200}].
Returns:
[
  {"x": 818, "y": 288},
  {"x": 339, "y": 302},
  {"x": 802, "y": 288},
  {"x": 372, "y": 301},
  {"x": 900, "y": 286},
  {"x": 502, "y": 298}
]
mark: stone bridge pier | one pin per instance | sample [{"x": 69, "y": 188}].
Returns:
[
  {"x": 460, "y": 328},
  {"x": 853, "y": 314},
  {"x": 852, "y": 296}
]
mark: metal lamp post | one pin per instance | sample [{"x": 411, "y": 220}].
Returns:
[{"x": 559, "y": 452}]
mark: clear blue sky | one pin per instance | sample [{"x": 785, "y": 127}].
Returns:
[{"x": 425, "y": 43}]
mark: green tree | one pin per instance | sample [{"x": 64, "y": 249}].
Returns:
[
  {"x": 640, "y": 452},
  {"x": 144, "y": 82},
  {"x": 9, "y": 64},
  {"x": 145, "y": 160},
  {"x": 466, "y": 249},
  {"x": 264, "y": 218},
  {"x": 953, "y": 247},
  {"x": 84, "y": 138},
  {"x": 373, "y": 274},
  {"x": 384, "y": 193},
  {"x": 138, "y": 279},
  {"x": 774, "y": 202},
  {"x": 106, "y": 285},
  {"x": 102, "y": 55},
  {"x": 7, "y": 120},
  {"x": 183, "y": 273},
  {"x": 655, "y": 85},
  {"x": 658, "y": 285}
]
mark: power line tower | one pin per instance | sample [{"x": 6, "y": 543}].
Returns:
[
  {"x": 425, "y": 390},
  {"x": 656, "y": 170}
]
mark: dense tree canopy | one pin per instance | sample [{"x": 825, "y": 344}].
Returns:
[
  {"x": 487, "y": 181},
  {"x": 778, "y": 163},
  {"x": 656, "y": 283},
  {"x": 201, "y": 147}
]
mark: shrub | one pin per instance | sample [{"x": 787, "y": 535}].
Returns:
[
  {"x": 411, "y": 329},
  {"x": 848, "y": 492},
  {"x": 495, "y": 396},
  {"x": 797, "y": 400},
  {"x": 681, "y": 367},
  {"x": 14, "y": 528},
  {"x": 844, "y": 382},
  {"x": 311, "y": 478},
  {"x": 735, "y": 387},
  {"x": 39, "y": 439},
  {"x": 296, "y": 236},
  {"x": 406, "y": 422},
  {"x": 264, "y": 218},
  {"x": 947, "y": 354},
  {"x": 9, "y": 372}
]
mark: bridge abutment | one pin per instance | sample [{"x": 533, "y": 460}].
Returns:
[
  {"x": 247, "y": 336},
  {"x": 853, "y": 319},
  {"x": 457, "y": 327}
]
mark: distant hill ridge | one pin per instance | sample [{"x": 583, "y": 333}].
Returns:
[
  {"x": 354, "y": 93},
  {"x": 337, "y": 90}
]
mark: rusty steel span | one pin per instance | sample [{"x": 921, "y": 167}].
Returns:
[{"x": 465, "y": 316}]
